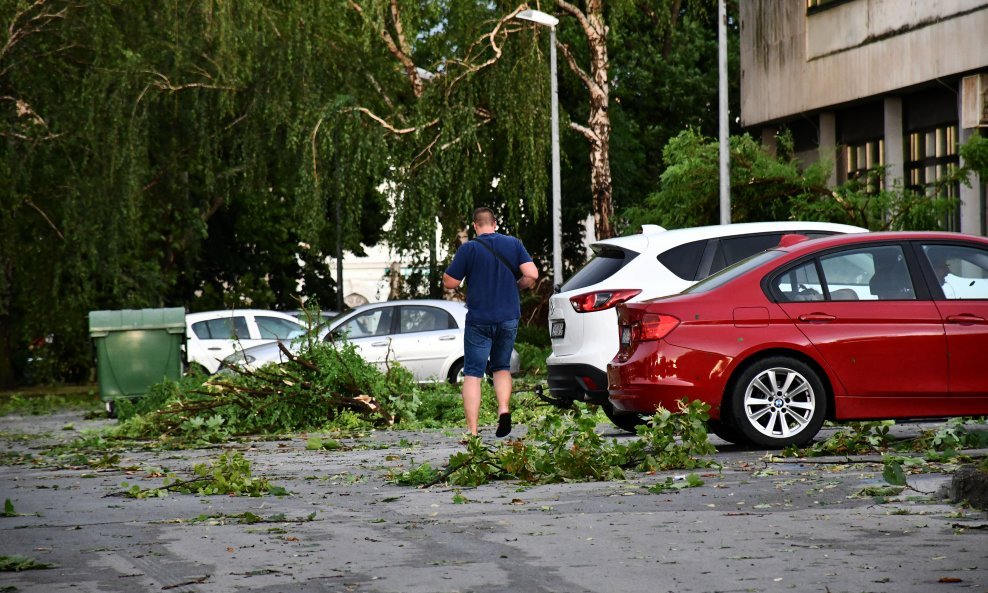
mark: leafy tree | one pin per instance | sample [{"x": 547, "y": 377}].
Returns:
[
  {"x": 660, "y": 60},
  {"x": 762, "y": 185},
  {"x": 777, "y": 187},
  {"x": 492, "y": 93},
  {"x": 658, "y": 93},
  {"x": 975, "y": 155},
  {"x": 663, "y": 75},
  {"x": 157, "y": 153},
  {"x": 214, "y": 154},
  {"x": 458, "y": 132}
]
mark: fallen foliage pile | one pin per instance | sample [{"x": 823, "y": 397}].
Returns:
[
  {"x": 564, "y": 446},
  {"x": 322, "y": 383}
]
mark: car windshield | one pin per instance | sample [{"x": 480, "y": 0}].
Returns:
[{"x": 731, "y": 272}]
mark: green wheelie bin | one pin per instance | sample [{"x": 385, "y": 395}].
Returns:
[{"x": 135, "y": 349}]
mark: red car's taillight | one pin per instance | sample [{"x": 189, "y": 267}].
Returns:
[
  {"x": 602, "y": 299},
  {"x": 654, "y": 327}
]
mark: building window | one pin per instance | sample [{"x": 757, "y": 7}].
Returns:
[
  {"x": 933, "y": 158},
  {"x": 860, "y": 158}
]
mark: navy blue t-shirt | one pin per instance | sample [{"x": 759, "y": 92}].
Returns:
[{"x": 492, "y": 291}]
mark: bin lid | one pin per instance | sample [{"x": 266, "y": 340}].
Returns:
[{"x": 171, "y": 319}]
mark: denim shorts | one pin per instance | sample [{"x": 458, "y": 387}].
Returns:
[{"x": 485, "y": 341}]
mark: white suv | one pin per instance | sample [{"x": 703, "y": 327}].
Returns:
[{"x": 655, "y": 263}]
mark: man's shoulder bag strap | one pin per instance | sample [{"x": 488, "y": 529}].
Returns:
[{"x": 514, "y": 271}]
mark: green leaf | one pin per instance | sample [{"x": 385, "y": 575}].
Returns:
[
  {"x": 893, "y": 473},
  {"x": 250, "y": 518},
  {"x": 18, "y": 563},
  {"x": 878, "y": 491}
]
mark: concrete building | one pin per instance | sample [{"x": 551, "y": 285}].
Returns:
[{"x": 899, "y": 83}]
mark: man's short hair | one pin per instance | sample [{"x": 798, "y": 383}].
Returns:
[{"x": 484, "y": 216}]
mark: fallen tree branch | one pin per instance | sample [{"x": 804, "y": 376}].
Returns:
[
  {"x": 450, "y": 470},
  {"x": 171, "y": 486},
  {"x": 296, "y": 359},
  {"x": 196, "y": 581}
]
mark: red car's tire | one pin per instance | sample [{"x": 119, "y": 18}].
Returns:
[
  {"x": 727, "y": 431},
  {"x": 627, "y": 421},
  {"x": 777, "y": 402}
]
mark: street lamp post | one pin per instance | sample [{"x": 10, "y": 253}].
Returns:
[
  {"x": 723, "y": 133},
  {"x": 541, "y": 18}
]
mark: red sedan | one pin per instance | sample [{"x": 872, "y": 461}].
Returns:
[{"x": 849, "y": 327}]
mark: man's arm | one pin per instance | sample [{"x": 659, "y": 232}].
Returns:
[
  {"x": 451, "y": 283},
  {"x": 458, "y": 267},
  {"x": 529, "y": 274}
]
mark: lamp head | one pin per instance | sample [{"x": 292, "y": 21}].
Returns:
[{"x": 537, "y": 16}]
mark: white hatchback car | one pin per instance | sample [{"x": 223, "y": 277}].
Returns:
[
  {"x": 212, "y": 336},
  {"x": 654, "y": 263},
  {"x": 424, "y": 336}
]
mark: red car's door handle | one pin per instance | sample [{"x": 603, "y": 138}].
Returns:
[
  {"x": 817, "y": 317},
  {"x": 965, "y": 318}
]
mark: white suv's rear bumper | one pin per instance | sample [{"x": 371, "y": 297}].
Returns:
[
  {"x": 579, "y": 371},
  {"x": 577, "y": 382}
]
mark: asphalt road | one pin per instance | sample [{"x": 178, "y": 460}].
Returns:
[{"x": 756, "y": 526}]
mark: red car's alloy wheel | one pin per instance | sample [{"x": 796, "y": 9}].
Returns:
[{"x": 779, "y": 402}]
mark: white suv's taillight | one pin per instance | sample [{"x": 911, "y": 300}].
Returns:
[{"x": 600, "y": 300}]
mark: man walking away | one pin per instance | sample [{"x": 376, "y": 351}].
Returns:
[{"x": 494, "y": 267}]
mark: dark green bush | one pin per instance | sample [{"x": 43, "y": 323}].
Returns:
[
  {"x": 534, "y": 335},
  {"x": 158, "y": 396},
  {"x": 532, "y": 358}
]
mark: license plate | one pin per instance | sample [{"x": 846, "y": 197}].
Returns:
[
  {"x": 558, "y": 329},
  {"x": 626, "y": 335}
]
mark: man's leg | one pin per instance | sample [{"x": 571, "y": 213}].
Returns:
[
  {"x": 502, "y": 389},
  {"x": 476, "y": 350},
  {"x": 501, "y": 350},
  {"x": 471, "y": 400}
]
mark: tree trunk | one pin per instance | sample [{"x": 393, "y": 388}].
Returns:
[
  {"x": 600, "y": 123},
  {"x": 7, "y": 375},
  {"x": 673, "y": 20},
  {"x": 598, "y": 128},
  {"x": 7, "y": 378}
]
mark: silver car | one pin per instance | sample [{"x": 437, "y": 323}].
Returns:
[{"x": 424, "y": 336}]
